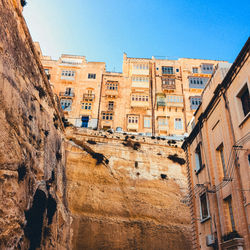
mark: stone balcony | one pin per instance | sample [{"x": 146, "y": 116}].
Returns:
[
  {"x": 139, "y": 104},
  {"x": 136, "y": 84},
  {"x": 133, "y": 126},
  {"x": 175, "y": 104},
  {"x": 111, "y": 93}
]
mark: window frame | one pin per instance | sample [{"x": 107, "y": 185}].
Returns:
[
  {"x": 92, "y": 76},
  {"x": 175, "y": 122},
  {"x": 203, "y": 219},
  {"x": 198, "y": 159},
  {"x": 241, "y": 112}
]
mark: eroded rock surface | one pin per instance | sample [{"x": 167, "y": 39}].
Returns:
[
  {"x": 132, "y": 202},
  {"x": 33, "y": 207}
]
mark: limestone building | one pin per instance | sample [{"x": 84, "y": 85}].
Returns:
[
  {"x": 218, "y": 159},
  {"x": 151, "y": 96}
]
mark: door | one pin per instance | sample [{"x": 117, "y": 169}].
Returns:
[{"x": 85, "y": 121}]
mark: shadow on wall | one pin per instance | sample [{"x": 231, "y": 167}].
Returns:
[{"x": 35, "y": 217}]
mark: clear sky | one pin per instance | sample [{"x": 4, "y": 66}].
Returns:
[{"x": 102, "y": 30}]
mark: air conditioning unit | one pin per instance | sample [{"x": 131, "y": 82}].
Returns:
[{"x": 210, "y": 240}]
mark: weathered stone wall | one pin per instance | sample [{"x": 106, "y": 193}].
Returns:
[
  {"x": 33, "y": 205},
  {"x": 125, "y": 203}
]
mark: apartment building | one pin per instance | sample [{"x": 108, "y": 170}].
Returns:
[
  {"x": 151, "y": 96},
  {"x": 218, "y": 159}
]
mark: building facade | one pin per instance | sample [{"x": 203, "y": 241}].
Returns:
[
  {"x": 218, "y": 159},
  {"x": 151, "y": 96}
]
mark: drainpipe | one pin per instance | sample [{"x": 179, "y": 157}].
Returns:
[
  {"x": 99, "y": 104},
  {"x": 152, "y": 99},
  {"x": 184, "y": 102}
]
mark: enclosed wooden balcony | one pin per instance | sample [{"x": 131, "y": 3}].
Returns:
[
  {"x": 168, "y": 86},
  {"x": 88, "y": 97}
]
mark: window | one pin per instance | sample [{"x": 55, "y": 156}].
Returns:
[
  {"x": 174, "y": 98},
  {"x": 140, "y": 66},
  {"x": 204, "y": 211},
  {"x": 207, "y": 68},
  {"x": 198, "y": 159},
  {"x": 168, "y": 81},
  {"x": 112, "y": 86},
  {"x": 167, "y": 70},
  {"x": 87, "y": 105},
  {"x": 140, "y": 79},
  {"x": 69, "y": 92},
  {"x": 178, "y": 124},
  {"x": 197, "y": 82},
  {"x": 67, "y": 74},
  {"x": 222, "y": 159},
  {"x": 245, "y": 100},
  {"x": 66, "y": 104},
  {"x": 162, "y": 122},
  {"x": 133, "y": 119},
  {"x": 140, "y": 98},
  {"x": 195, "y": 102},
  {"x": 107, "y": 116},
  {"x": 195, "y": 70},
  {"x": 147, "y": 122},
  {"x": 111, "y": 106},
  {"x": 91, "y": 76},
  {"x": 229, "y": 212},
  {"x": 177, "y": 70}
]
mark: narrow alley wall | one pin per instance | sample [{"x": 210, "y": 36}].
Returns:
[{"x": 33, "y": 205}]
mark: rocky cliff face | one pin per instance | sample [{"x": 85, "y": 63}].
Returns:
[
  {"x": 33, "y": 206},
  {"x": 132, "y": 199}
]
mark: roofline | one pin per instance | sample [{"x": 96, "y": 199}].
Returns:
[{"x": 237, "y": 65}]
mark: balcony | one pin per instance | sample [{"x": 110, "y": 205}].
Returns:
[
  {"x": 88, "y": 97},
  {"x": 163, "y": 127},
  {"x": 66, "y": 94},
  {"x": 68, "y": 78},
  {"x": 132, "y": 126},
  {"x": 136, "y": 84},
  {"x": 140, "y": 72},
  {"x": 161, "y": 103},
  {"x": 111, "y": 93},
  {"x": 138, "y": 104},
  {"x": 168, "y": 86},
  {"x": 175, "y": 104}
]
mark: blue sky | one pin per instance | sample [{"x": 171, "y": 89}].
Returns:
[{"x": 102, "y": 30}]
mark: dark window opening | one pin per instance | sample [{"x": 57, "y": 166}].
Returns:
[{"x": 204, "y": 207}]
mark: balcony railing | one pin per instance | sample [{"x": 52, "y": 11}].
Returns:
[
  {"x": 139, "y": 104},
  {"x": 66, "y": 94},
  {"x": 133, "y": 126},
  {"x": 161, "y": 103},
  {"x": 168, "y": 86},
  {"x": 70, "y": 78},
  {"x": 88, "y": 97},
  {"x": 111, "y": 92}
]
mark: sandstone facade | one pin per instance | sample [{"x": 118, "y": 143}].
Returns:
[{"x": 150, "y": 95}]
